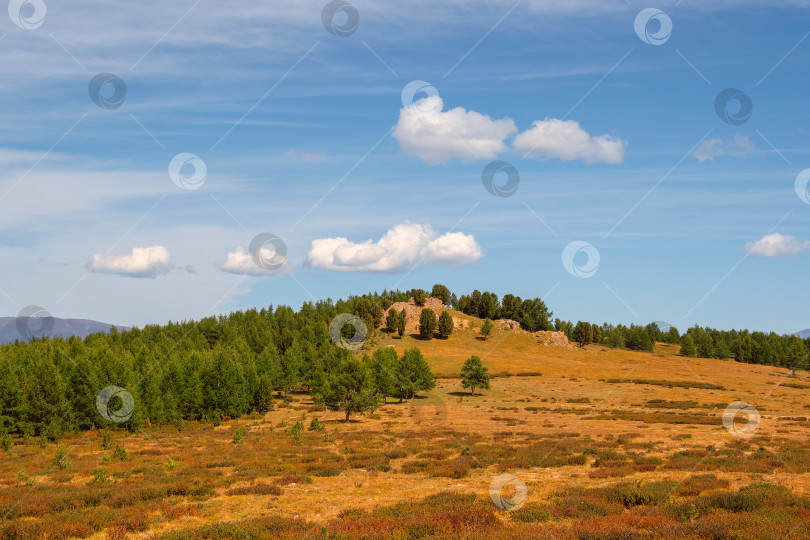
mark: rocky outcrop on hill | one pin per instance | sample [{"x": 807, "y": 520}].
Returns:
[
  {"x": 413, "y": 311},
  {"x": 552, "y": 339}
]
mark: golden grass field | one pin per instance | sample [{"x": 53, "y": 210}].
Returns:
[{"x": 600, "y": 456}]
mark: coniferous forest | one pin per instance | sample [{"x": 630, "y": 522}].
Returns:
[{"x": 227, "y": 366}]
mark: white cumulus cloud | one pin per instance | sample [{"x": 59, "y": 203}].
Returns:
[
  {"x": 399, "y": 249},
  {"x": 740, "y": 146},
  {"x": 239, "y": 261},
  {"x": 567, "y": 141},
  {"x": 428, "y": 132},
  {"x": 776, "y": 245},
  {"x": 148, "y": 262}
]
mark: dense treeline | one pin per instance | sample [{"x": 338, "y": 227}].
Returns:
[
  {"x": 533, "y": 315},
  {"x": 742, "y": 345},
  {"x": 227, "y": 366},
  {"x": 218, "y": 367}
]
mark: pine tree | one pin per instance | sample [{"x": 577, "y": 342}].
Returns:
[
  {"x": 348, "y": 387},
  {"x": 401, "y": 323},
  {"x": 391, "y": 320},
  {"x": 688, "y": 346},
  {"x": 583, "y": 334},
  {"x": 474, "y": 375},
  {"x": 264, "y": 394},
  {"x": 441, "y": 292},
  {"x": 486, "y": 328},
  {"x": 383, "y": 368},
  {"x": 413, "y": 374},
  {"x": 292, "y": 363},
  {"x": 427, "y": 323},
  {"x": 445, "y": 324}
]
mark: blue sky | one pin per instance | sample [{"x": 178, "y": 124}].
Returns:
[{"x": 304, "y": 135}]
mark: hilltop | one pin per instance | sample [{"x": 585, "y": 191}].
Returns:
[{"x": 570, "y": 442}]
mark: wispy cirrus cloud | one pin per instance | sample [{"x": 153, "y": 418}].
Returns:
[{"x": 738, "y": 146}]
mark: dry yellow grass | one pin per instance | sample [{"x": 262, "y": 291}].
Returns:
[{"x": 571, "y": 399}]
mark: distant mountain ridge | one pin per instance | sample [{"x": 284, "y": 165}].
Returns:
[
  {"x": 804, "y": 334},
  {"x": 54, "y": 326}
]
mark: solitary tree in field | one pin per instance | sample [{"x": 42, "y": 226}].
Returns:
[
  {"x": 391, "y": 320},
  {"x": 474, "y": 375},
  {"x": 349, "y": 388},
  {"x": 427, "y": 323},
  {"x": 445, "y": 324},
  {"x": 401, "y": 323},
  {"x": 486, "y": 328}
]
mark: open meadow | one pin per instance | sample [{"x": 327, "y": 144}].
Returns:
[{"x": 596, "y": 443}]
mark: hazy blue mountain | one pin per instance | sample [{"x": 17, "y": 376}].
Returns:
[
  {"x": 804, "y": 334},
  {"x": 52, "y": 326}
]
